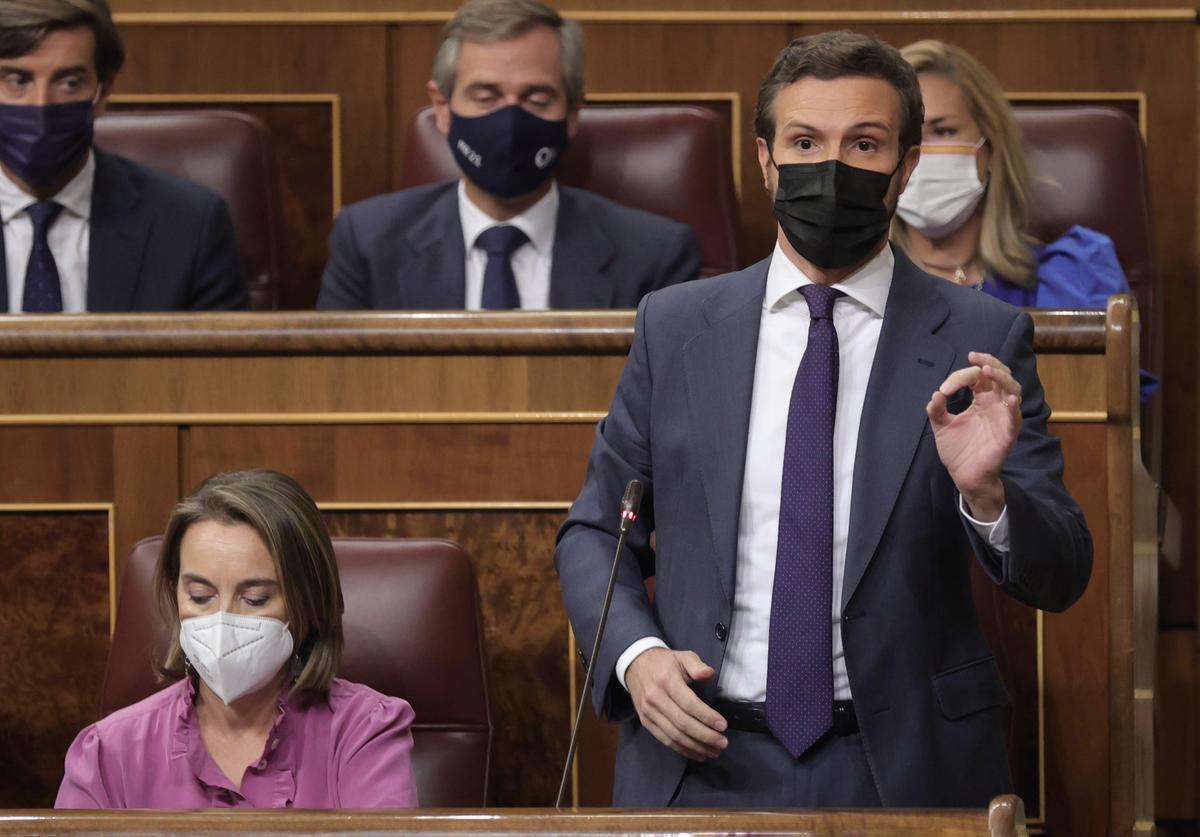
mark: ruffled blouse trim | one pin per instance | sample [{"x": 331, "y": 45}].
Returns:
[{"x": 277, "y": 752}]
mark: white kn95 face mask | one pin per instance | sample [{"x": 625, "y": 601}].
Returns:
[
  {"x": 943, "y": 191},
  {"x": 233, "y": 654}
]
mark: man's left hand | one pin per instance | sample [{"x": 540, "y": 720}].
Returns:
[{"x": 974, "y": 444}]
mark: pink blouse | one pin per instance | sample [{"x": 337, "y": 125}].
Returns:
[{"x": 353, "y": 751}]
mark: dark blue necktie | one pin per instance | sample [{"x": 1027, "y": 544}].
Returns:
[
  {"x": 499, "y": 284},
  {"x": 43, "y": 292},
  {"x": 800, "y": 655}
]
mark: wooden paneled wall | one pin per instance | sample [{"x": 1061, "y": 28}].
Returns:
[{"x": 363, "y": 63}]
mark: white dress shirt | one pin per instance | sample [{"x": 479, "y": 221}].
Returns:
[
  {"x": 530, "y": 262},
  {"x": 69, "y": 237},
  {"x": 783, "y": 335}
]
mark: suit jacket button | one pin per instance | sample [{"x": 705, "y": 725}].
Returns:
[
  {"x": 583, "y": 660},
  {"x": 722, "y": 631}
]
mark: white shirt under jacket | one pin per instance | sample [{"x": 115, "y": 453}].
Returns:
[
  {"x": 783, "y": 334},
  {"x": 530, "y": 262},
  {"x": 69, "y": 237}
]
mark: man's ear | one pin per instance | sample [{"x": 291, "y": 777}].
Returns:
[
  {"x": 102, "y": 94},
  {"x": 441, "y": 107},
  {"x": 911, "y": 158},
  {"x": 764, "y": 162},
  {"x": 572, "y": 122}
]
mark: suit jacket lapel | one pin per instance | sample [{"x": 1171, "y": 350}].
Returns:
[
  {"x": 435, "y": 278},
  {"x": 911, "y": 361},
  {"x": 117, "y": 234},
  {"x": 581, "y": 252},
  {"x": 719, "y": 366}
]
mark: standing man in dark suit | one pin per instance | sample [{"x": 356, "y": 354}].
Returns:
[
  {"x": 812, "y": 639},
  {"x": 507, "y": 86},
  {"x": 85, "y": 230}
]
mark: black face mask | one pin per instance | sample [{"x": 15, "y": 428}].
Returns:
[
  {"x": 832, "y": 213},
  {"x": 508, "y": 152}
]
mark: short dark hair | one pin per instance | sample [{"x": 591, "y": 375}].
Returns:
[
  {"x": 25, "y": 23},
  {"x": 831, "y": 55}
]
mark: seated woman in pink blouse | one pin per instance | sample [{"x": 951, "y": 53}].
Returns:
[{"x": 248, "y": 582}]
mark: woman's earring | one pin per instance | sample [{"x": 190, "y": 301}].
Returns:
[{"x": 297, "y": 665}]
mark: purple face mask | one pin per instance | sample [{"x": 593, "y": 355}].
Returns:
[{"x": 40, "y": 142}]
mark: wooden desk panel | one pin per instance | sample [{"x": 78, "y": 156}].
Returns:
[
  {"x": 477, "y": 427},
  {"x": 1004, "y": 818}
]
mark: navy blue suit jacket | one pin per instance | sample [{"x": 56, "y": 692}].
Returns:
[
  {"x": 926, "y": 688},
  {"x": 157, "y": 243},
  {"x": 405, "y": 251}
]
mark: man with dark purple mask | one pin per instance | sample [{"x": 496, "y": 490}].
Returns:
[
  {"x": 85, "y": 230},
  {"x": 507, "y": 86}
]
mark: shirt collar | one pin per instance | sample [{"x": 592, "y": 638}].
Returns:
[
  {"x": 537, "y": 222},
  {"x": 75, "y": 197},
  {"x": 869, "y": 285}
]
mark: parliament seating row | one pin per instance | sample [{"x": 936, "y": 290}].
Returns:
[{"x": 1088, "y": 165}]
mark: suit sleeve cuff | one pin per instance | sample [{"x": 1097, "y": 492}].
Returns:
[
  {"x": 995, "y": 534},
  {"x": 631, "y": 653}
]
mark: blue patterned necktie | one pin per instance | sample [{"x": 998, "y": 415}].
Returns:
[
  {"x": 499, "y": 284},
  {"x": 800, "y": 655},
  {"x": 43, "y": 292}
]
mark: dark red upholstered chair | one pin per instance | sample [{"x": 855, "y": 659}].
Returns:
[
  {"x": 412, "y": 630},
  {"x": 673, "y": 160},
  {"x": 229, "y": 153},
  {"x": 1089, "y": 167}
]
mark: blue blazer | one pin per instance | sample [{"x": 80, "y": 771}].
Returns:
[
  {"x": 926, "y": 688},
  {"x": 157, "y": 243},
  {"x": 405, "y": 251}
]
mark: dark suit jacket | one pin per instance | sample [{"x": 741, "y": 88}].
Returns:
[
  {"x": 405, "y": 250},
  {"x": 927, "y": 690},
  {"x": 157, "y": 243}
]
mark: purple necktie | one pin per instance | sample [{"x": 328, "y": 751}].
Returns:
[
  {"x": 499, "y": 284},
  {"x": 43, "y": 292},
  {"x": 800, "y": 656}
]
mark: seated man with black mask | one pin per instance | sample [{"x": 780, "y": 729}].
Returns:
[
  {"x": 85, "y": 230},
  {"x": 507, "y": 86}
]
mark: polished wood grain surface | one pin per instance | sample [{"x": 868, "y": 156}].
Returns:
[
  {"x": 1004, "y": 818},
  {"x": 639, "y": 9},
  {"x": 364, "y": 333},
  {"x": 54, "y": 618}
]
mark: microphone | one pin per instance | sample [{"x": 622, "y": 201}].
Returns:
[{"x": 630, "y": 503}]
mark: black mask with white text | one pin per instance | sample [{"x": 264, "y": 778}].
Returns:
[
  {"x": 508, "y": 152},
  {"x": 832, "y": 213}
]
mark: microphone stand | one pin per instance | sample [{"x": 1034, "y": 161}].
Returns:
[{"x": 629, "y": 509}]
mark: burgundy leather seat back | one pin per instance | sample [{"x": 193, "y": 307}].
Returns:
[
  {"x": 229, "y": 153},
  {"x": 412, "y": 630},
  {"x": 673, "y": 160},
  {"x": 1089, "y": 168}
]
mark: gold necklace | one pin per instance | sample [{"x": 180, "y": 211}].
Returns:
[{"x": 961, "y": 278}]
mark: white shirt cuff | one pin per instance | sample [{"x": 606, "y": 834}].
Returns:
[
  {"x": 631, "y": 653},
  {"x": 995, "y": 533}
]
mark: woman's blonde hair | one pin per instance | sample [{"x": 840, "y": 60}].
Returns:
[
  {"x": 287, "y": 520},
  {"x": 1004, "y": 246}
]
